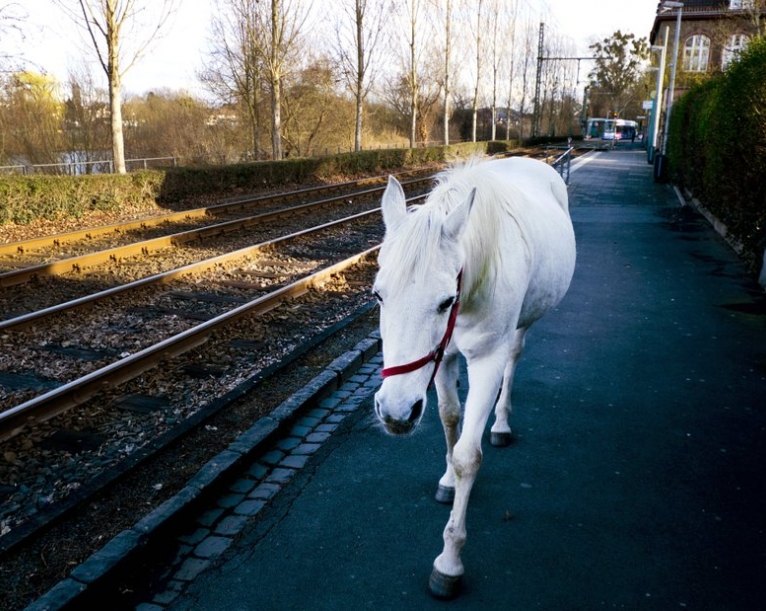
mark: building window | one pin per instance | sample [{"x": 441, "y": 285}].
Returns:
[
  {"x": 733, "y": 49},
  {"x": 696, "y": 53}
]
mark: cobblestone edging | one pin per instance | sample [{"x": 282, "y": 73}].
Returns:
[{"x": 264, "y": 459}]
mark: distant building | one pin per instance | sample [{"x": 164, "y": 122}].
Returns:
[{"x": 713, "y": 34}]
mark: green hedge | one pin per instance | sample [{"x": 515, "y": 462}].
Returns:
[
  {"x": 25, "y": 198},
  {"x": 717, "y": 148}
]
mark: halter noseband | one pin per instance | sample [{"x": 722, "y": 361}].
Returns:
[{"x": 437, "y": 354}]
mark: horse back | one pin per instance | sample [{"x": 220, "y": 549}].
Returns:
[{"x": 538, "y": 246}]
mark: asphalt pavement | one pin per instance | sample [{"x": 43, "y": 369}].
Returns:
[{"x": 636, "y": 479}]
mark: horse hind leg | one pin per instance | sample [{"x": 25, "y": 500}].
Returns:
[{"x": 500, "y": 433}]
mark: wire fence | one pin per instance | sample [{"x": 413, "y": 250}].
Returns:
[{"x": 106, "y": 166}]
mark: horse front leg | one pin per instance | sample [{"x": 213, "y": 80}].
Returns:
[
  {"x": 449, "y": 413},
  {"x": 500, "y": 433},
  {"x": 484, "y": 381}
]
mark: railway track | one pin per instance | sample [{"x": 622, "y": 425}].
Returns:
[
  {"x": 102, "y": 362},
  {"x": 155, "y": 332},
  {"x": 123, "y": 398},
  {"x": 146, "y": 323}
]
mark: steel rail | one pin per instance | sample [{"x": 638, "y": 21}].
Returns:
[
  {"x": 200, "y": 266},
  {"x": 222, "y": 208},
  {"x": 72, "y": 394},
  {"x": 164, "y": 277}
]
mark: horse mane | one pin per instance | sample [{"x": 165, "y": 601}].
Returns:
[{"x": 416, "y": 247}]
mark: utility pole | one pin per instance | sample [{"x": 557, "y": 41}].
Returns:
[
  {"x": 538, "y": 81},
  {"x": 536, "y": 116}
]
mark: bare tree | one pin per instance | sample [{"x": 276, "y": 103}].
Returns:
[
  {"x": 255, "y": 44},
  {"x": 526, "y": 67},
  {"x": 499, "y": 23},
  {"x": 120, "y": 32},
  {"x": 480, "y": 24},
  {"x": 234, "y": 71},
  {"x": 447, "y": 67},
  {"x": 87, "y": 129},
  {"x": 165, "y": 123},
  {"x": 755, "y": 11},
  {"x": 509, "y": 56},
  {"x": 412, "y": 74},
  {"x": 357, "y": 37},
  {"x": 12, "y": 18},
  {"x": 317, "y": 116},
  {"x": 282, "y": 28}
]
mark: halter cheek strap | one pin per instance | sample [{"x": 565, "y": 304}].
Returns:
[{"x": 437, "y": 354}]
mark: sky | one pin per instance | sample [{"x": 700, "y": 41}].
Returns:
[{"x": 54, "y": 44}]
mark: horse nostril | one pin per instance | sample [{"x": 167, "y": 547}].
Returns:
[
  {"x": 417, "y": 410},
  {"x": 377, "y": 409}
]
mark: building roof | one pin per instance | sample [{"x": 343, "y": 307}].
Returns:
[{"x": 694, "y": 10}]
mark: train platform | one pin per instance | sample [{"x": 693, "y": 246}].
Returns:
[{"x": 636, "y": 479}]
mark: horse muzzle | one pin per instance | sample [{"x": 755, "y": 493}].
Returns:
[{"x": 404, "y": 421}]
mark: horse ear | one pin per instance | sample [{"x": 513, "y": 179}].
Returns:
[
  {"x": 393, "y": 204},
  {"x": 456, "y": 221}
]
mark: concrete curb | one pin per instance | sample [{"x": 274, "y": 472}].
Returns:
[{"x": 307, "y": 418}]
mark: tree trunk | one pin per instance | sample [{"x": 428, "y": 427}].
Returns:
[
  {"x": 447, "y": 51},
  {"x": 276, "y": 94},
  {"x": 475, "y": 108},
  {"x": 276, "y": 120},
  {"x": 115, "y": 107},
  {"x": 115, "y": 91},
  {"x": 359, "y": 76},
  {"x": 413, "y": 79}
]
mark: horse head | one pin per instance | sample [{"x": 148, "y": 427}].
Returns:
[{"x": 417, "y": 287}]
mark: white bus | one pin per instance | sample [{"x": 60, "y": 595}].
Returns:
[{"x": 611, "y": 129}]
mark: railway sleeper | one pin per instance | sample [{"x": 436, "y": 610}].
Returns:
[
  {"x": 142, "y": 404},
  {"x": 25, "y": 381},
  {"x": 203, "y": 371},
  {"x": 76, "y": 352},
  {"x": 73, "y": 442},
  {"x": 208, "y": 297},
  {"x": 153, "y": 311}
]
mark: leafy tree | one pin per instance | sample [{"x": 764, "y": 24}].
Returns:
[
  {"x": 619, "y": 68},
  {"x": 32, "y": 117}
]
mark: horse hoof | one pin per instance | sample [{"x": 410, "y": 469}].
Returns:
[
  {"x": 444, "y": 587},
  {"x": 500, "y": 440},
  {"x": 445, "y": 494}
]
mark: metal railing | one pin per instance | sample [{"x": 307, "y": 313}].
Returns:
[
  {"x": 106, "y": 166},
  {"x": 79, "y": 168},
  {"x": 563, "y": 163}
]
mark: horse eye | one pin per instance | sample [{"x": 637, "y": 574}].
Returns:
[{"x": 446, "y": 304}]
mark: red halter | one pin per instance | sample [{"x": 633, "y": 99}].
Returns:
[{"x": 437, "y": 354}]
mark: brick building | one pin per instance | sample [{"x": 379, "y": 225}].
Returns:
[{"x": 713, "y": 33}]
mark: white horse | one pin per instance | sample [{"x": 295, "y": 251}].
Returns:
[{"x": 490, "y": 251}]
